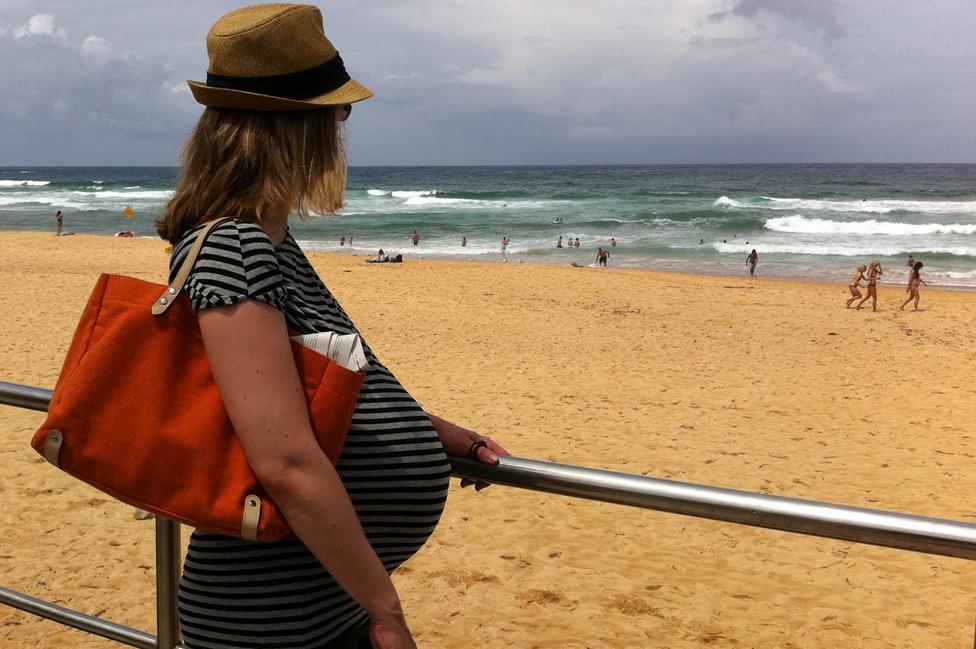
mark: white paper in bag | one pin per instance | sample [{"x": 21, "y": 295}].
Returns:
[{"x": 344, "y": 349}]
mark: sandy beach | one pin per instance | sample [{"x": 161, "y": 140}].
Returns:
[{"x": 749, "y": 383}]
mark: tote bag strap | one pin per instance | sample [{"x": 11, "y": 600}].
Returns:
[{"x": 169, "y": 295}]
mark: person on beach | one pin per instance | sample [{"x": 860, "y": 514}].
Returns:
[
  {"x": 60, "y": 217},
  {"x": 258, "y": 154},
  {"x": 415, "y": 237},
  {"x": 350, "y": 242},
  {"x": 602, "y": 256},
  {"x": 342, "y": 241},
  {"x": 911, "y": 261},
  {"x": 855, "y": 284},
  {"x": 559, "y": 244},
  {"x": 874, "y": 274},
  {"x": 464, "y": 242},
  {"x": 914, "y": 279},
  {"x": 752, "y": 260},
  {"x": 613, "y": 242}
]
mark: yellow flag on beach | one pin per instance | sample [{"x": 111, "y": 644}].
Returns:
[{"x": 128, "y": 212}]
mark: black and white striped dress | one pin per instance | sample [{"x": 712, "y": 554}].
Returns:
[{"x": 236, "y": 593}]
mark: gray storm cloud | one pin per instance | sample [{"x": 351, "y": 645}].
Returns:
[{"x": 524, "y": 82}]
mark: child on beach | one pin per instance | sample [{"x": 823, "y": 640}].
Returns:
[
  {"x": 874, "y": 274},
  {"x": 855, "y": 283},
  {"x": 914, "y": 279}
]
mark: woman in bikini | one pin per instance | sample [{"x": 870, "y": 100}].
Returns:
[
  {"x": 914, "y": 279},
  {"x": 874, "y": 273},
  {"x": 856, "y": 283}
]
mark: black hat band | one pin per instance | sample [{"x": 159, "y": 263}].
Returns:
[{"x": 295, "y": 85}]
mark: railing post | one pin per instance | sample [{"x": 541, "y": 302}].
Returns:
[{"x": 167, "y": 583}]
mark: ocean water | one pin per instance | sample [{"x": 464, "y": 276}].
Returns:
[{"x": 811, "y": 221}]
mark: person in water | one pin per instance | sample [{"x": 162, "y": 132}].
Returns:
[
  {"x": 874, "y": 274},
  {"x": 559, "y": 244},
  {"x": 752, "y": 260},
  {"x": 464, "y": 242},
  {"x": 855, "y": 284},
  {"x": 415, "y": 237},
  {"x": 914, "y": 279}
]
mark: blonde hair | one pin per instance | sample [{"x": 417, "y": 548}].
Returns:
[{"x": 257, "y": 166}]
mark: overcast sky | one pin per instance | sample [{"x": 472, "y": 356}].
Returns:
[{"x": 523, "y": 81}]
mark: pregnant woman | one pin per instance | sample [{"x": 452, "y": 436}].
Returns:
[{"x": 269, "y": 145}]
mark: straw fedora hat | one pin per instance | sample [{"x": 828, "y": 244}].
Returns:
[{"x": 274, "y": 57}]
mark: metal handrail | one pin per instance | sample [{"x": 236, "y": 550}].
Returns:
[{"x": 869, "y": 526}]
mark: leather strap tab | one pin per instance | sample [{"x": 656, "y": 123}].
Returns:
[
  {"x": 52, "y": 447},
  {"x": 251, "y": 518},
  {"x": 173, "y": 290}
]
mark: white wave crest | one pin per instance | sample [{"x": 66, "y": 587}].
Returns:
[
  {"x": 871, "y": 207},
  {"x": 413, "y": 194},
  {"x": 840, "y": 249},
  {"x": 426, "y": 199},
  {"x": 725, "y": 201},
  {"x": 24, "y": 183},
  {"x": 55, "y": 200},
  {"x": 956, "y": 274},
  {"x": 148, "y": 194},
  {"x": 797, "y": 224},
  {"x": 377, "y": 192},
  {"x": 884, "y": 206}
]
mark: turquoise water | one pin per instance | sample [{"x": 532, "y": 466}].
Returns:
[{"x": 816, "y": 221}]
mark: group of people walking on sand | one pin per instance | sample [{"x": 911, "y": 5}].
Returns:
[{"x": 872, "y": 275}]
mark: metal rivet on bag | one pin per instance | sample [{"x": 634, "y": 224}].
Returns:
[
  {"x": 252, "y": 502},
  {"x": 172, "y": 291},
  {"x": 163, "y": 301}
]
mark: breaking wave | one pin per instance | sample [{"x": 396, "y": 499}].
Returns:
[
  {"x": 24, "y": 183},
  {"x": 797, "y": 224}
]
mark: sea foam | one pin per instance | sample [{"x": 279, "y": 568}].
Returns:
[
  {"x": 883, "y": 206},
  {"x": 797, "y": 224},
  {"x": 860, "y": 249},
  {"x": 24, "y": 183}
]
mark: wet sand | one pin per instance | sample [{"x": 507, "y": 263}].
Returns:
[{"x": 755, "y": 384}]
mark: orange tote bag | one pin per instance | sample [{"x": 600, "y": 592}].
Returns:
[{"x": 136, "y": 412}]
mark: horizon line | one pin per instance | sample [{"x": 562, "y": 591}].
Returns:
[{"x": 572, "y": 164}]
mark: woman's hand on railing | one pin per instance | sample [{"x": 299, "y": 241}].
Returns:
[{"x": 463, "y": 442}]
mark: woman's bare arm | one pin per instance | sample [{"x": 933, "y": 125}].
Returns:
[{"x": 252, "y": 363}]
